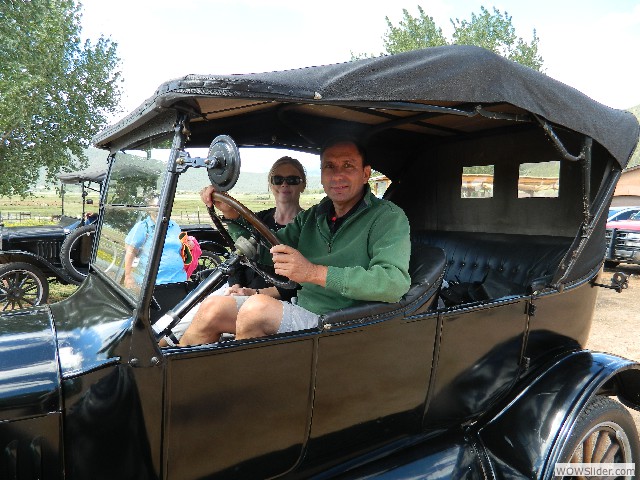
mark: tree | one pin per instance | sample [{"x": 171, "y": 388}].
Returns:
[
  {"x": 412, "y": 33},
  {"x": 496, "y": 33},
  {"x": 55, "y": 92},
  {"x": 493, "y": 31}
]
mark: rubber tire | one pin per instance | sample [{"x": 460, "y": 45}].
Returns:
[
  {"x": 208, "y": 259},
  {"x": 68, "y": 251},
  {"x": 604, "y": 414},
  {"x": 21, "y": 272}
]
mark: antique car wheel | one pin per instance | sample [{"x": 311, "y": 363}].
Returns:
[
  {"x": 22, "y": 285},
  {"x": 604, "y": 433},
  {"x": 208, "y": 260},
  {"x": 75, "y": 253}
]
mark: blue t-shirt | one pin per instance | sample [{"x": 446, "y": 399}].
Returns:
[{"x": 171, "y": 268}]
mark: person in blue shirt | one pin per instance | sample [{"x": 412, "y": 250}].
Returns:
[{"x": 138, "y": 245}]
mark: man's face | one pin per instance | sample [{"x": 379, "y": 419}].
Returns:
[{"x": 343, "y": 175}]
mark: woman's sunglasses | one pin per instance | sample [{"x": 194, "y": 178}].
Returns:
[{"x": 291, "y": 180}]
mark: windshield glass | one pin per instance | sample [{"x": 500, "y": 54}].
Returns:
[{"x": 130, "y": 211}]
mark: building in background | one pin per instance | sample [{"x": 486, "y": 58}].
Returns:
[{"x": 628, "y": 190}]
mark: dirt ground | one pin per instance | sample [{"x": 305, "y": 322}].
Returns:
[{"x": 616, "y": 322}]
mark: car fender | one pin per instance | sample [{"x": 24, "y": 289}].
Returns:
[
  {"x": 12, "y": 256},
  {"x": 29, "y": 366},
  {"x": 30, "y": 395},
  {"x": 526, "y": 436}
]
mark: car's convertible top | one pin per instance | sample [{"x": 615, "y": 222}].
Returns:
[
  {"x": 456, "y": 77},
  {"x": 96, "y": 175}
]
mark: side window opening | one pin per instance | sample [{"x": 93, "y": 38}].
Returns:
[
  {"x": 539, "y": 180},
  {"x": 477, "y": 181}
]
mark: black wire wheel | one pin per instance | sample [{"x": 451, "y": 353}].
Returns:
[
  {"x": 22, "y": 285},
  {"x": 605, "y": 432},
  {"x": 75, "y": 253},
  {"x": 208, "y": 260}
]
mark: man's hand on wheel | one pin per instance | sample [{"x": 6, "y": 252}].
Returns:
[{"x": 292, "y": 264}]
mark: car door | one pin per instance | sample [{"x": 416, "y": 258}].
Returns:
[
  {"x": 478, "y": 358},
  {"x": 371, "y": 384},
  {"x": 238, "y": 409}
]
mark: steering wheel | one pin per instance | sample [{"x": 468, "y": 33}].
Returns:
[{"x": 262, "y": 234}]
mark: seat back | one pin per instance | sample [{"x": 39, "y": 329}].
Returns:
[{"x": 426, "y": 269}]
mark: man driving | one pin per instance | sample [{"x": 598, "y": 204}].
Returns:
[{"x": 350, "y": 248}]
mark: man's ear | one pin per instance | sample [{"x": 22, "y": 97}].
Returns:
[{"x": 367, "y": 173}]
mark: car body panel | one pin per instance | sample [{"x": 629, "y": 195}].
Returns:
[
  {"x": 472, "y": 375},
  {"x": 267, "y": 424},
  {"x": 92, "y": 326},
  {"x": 389, "y": 360}
]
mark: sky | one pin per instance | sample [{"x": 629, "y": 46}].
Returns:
[{"x": 591, "y": 45}]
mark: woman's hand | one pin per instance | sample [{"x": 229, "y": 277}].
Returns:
[
  {"x": 247, "y": 292},
  {"x": 237, "y": 290},
  {"x": 229, "y": 212}
]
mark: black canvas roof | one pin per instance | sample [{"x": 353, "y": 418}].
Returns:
[
  {"x": 89, "y": 175},
  {"x": 449, "y": 76}
]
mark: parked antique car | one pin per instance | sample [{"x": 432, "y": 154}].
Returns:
[
  {"x": 480, "y": 371},
  {"x": 31, "y": 255},
  {"x": 623, "y": 240}
]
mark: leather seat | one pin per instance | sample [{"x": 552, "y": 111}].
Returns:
[{"x": 426, "y": 269}]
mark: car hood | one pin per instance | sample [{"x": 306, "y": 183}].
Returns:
[
  {"x": 633, "y": 225},
  {"x": 29, "y": 367},
  {"x": 42, "y": 231}
]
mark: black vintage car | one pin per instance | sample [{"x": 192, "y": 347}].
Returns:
[
  {"x": 479, "y": 371},
  {"x": 31, "y": 255}
]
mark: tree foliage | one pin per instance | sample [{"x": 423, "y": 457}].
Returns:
[
  {"x": 493, "y": 31},
  {"x": 412, "y": 33},
  {"x": 55, "y": 91}
]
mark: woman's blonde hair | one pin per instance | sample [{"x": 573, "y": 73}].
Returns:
[{"x": 288, "y": 161}]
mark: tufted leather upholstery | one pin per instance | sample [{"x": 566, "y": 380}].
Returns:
[
  {"x": 519, "y": 259},
  {"x": 426, "y": 268}
]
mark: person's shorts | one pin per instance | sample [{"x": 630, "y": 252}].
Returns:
[{"x": 294, "y": 317}]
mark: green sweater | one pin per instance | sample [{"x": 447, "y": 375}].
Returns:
[{"x": 368, "y": 256}]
